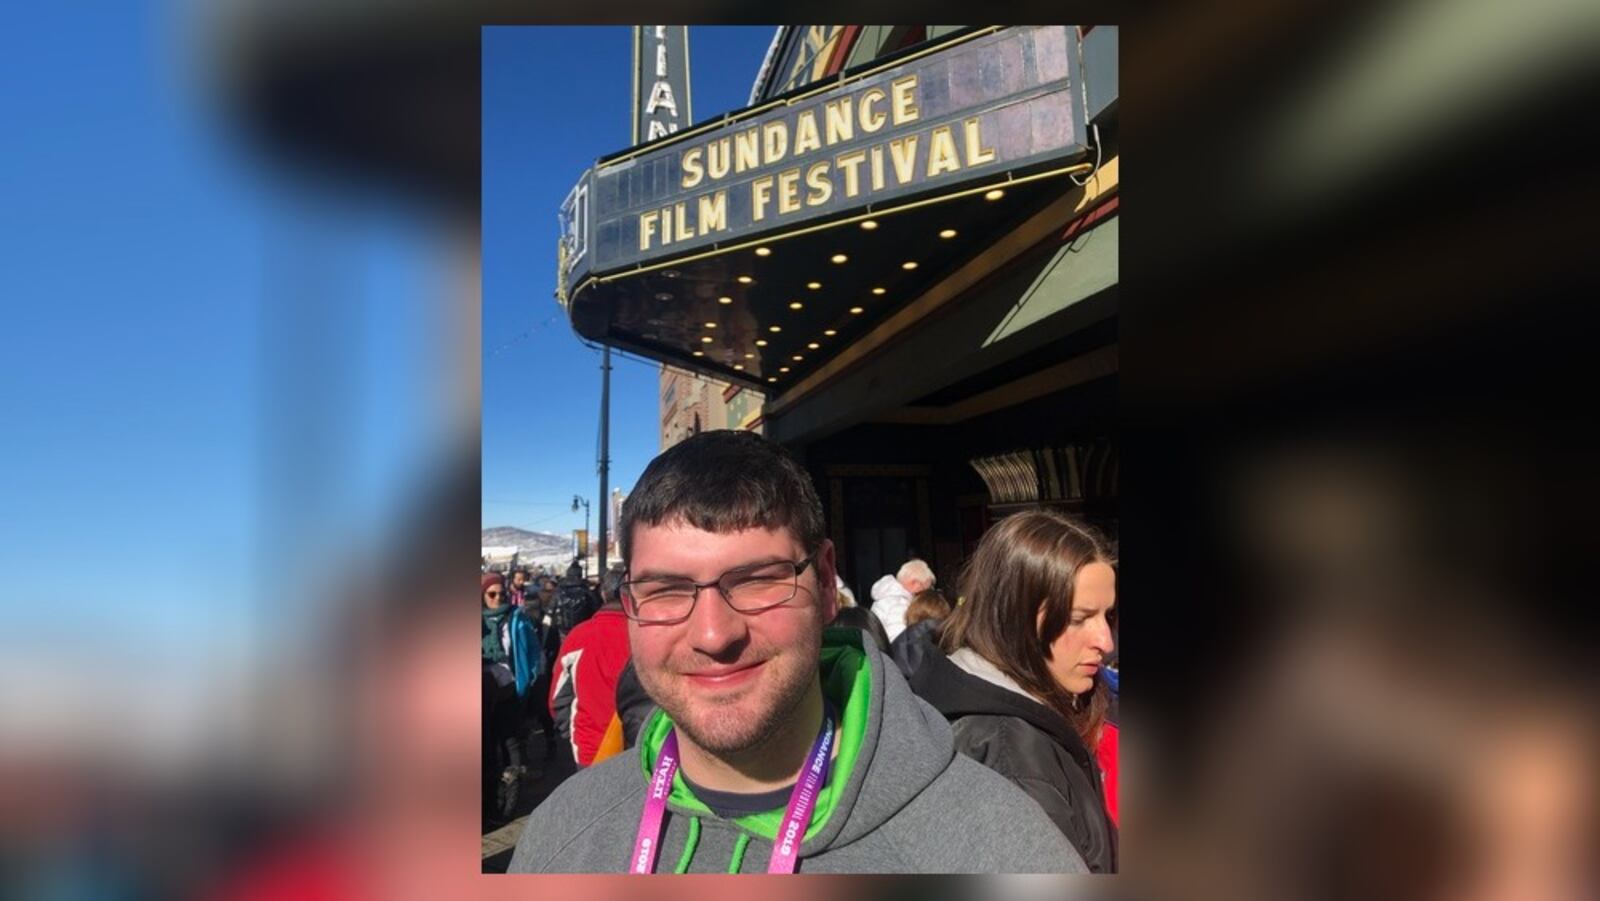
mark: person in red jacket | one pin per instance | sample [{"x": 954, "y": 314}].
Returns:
[
  {"x": 584, "y": 685},
  {"x": 1105, "y": 750}
]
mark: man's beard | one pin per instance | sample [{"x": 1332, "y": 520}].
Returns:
[{"x": 727, "y": 729}]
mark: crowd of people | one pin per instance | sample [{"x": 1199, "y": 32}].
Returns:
[
  {"x": 528, "y": 616},
  {"x": 722, "y": 695}
]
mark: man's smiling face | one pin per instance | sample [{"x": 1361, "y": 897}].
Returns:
[{"x": 729, "y": 679}]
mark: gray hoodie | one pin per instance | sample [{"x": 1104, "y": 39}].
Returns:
[{"x": 908, "y": 804}]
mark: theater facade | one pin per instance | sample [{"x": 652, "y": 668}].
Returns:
[{"x": 900, "y": 261}]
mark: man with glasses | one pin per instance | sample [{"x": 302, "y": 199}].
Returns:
[{"x": 779, "y": 745}]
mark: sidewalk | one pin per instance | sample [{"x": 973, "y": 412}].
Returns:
[
  {"x": 545, "y": 773},
  {"x": 498, "y": 845}
]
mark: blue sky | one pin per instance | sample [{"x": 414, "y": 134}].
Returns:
[{"x": 554, "y": 100}]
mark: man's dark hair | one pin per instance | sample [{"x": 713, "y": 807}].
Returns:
[{"x": 724, "y": 481}]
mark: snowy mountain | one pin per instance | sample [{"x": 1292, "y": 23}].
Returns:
[{"x": 530, "y": 544}]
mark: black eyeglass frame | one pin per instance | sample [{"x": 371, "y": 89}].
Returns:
[{"x": 625, "y": 592}]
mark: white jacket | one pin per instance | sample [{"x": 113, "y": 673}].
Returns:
[{"x": 889, "y": 602}]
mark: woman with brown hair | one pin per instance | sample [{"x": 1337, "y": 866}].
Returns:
[
  {"x": 923, "y": 616},
  {"x": 1016, "y": 668}
]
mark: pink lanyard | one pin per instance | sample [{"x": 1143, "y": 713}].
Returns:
[{"x": 796, "y": 819}]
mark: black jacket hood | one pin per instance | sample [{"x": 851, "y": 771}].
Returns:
[{"x": 955, "y": 692}]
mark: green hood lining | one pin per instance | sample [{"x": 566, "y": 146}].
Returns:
[{"x": 847, "y": 682}]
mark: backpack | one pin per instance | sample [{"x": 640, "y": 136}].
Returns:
[{"x": 574, "y": 603}]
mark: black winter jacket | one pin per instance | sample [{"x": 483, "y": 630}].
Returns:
[{"x": 1021, "y": 739}]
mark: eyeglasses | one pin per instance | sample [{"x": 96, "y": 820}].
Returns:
[
  {"x": 492, "y": 594},
  {"x": 748, "y": 589}
]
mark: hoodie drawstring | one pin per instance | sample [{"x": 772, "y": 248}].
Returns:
[
  {"x": 738, "y": 852},
  {"x": 693, "y": 842},
  {"x": 688, "y": 846}
]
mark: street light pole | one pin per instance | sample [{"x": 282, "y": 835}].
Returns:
[
  {"x": 605, "y": 450},
  {"x": 576, "y": 500}
]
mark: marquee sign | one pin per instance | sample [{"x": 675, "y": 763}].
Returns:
[{"x": 1005, "y": 102}]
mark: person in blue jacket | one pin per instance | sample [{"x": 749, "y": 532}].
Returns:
[
  {"x": 512, "y": 662},
  {"x": 511, "y": 646}
]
